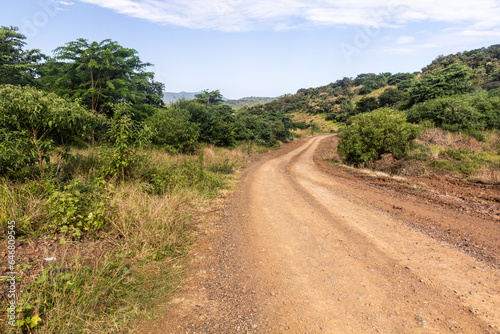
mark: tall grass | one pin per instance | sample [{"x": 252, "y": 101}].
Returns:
[{"x": 147, "y": 220}]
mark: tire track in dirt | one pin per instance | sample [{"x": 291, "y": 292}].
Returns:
[{"x": 304, "y": 252}]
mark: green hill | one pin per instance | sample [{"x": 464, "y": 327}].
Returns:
[{"x": 249, "y": 101}]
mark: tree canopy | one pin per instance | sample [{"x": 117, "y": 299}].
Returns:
[
  {"x": 17, "y": 66},
  {"x": 209, "y": 97},
  {"x": 101, "y": 74}
]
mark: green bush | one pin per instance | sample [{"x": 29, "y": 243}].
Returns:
[
  {"x": 470, "y": 113},
  {"x": 366, "y": 104},
  {"x": 122, "y": 134},
  {"x": 390, "y": 97},
  {"x": 32, "y": 121},
  {"x": 79, "y": 208},
  {"x": 173, "y": 130},
  {"x": 367, "y": 136},
  {"x": 451, "y": 80},
  {"x": 366, "y": 90}
]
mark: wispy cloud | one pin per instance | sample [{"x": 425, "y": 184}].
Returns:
[
  {"x": 457, "y": 38},
  {"x": 241, "y": 15},
  {"x": 405, "y": 40},
  {"x": 65, "y": 3}
]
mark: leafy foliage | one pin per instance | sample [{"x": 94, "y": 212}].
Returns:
[
  {"x": 367, "y": 136},
  {"x": 100, "y": 74},
  {"x": 17, "y": 67},
  {"x": 469, "y": 112},
  {"x": 172, "y": 129},
  {"x": 391, "y": 97},
  {"x": 79, "y": 209},
  {"x": 122, "y": 134},
  {"x": 366, "y": 104},
  {"x": 209, "y": 97},
  {"x": 32, "y": 119},
  {"x": 451, "y": 80},
  {"x": 395, "y": 79}
]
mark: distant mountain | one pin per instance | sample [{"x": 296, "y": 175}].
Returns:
[
  {"x": 249, "y": 101},
  {"x": 169, "y": 97}
]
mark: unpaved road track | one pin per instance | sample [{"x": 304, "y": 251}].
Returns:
[{"x": 305, "y": 251}]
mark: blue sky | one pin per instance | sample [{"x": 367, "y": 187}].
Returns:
[{"x": 263, "y": 48}]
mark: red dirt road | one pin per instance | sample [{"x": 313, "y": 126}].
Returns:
[{"x": 306, "y": 247}]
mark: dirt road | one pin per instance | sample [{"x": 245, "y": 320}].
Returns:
[{"x": 305, "y": 249}]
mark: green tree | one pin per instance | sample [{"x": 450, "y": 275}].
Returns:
[
  {"x": 468, "y": 112},
  {"x": 17, "y": 66},
  {"x": 250, "y": 127},
  {"x": 216, "y": 122},
  {"x": 101, "y": 74},
  {"x": 398, "y": 77},
  {"x": 210, "y": 98},
  {"x": 390, "y": 97},
  {"x": 366, "y": 104}
]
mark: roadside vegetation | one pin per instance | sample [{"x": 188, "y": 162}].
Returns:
[
  {"x": 106, "y": 183},
  {"x": 444, "y": 119}
]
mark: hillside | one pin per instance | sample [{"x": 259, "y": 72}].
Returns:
[
  {"x": 169, "y": 97},
  {"x": 451, "y": 109},
  {"x": 249, "y": 101},
  {"x": 476, "y": 70}
]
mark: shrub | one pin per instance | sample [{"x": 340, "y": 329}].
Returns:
[
  {"x": 31, "y": 121},
  {"x": 451, "y": 80},
  {"x": 251, "y": 127},
  {"x": 399, "y": 77},
  {"x": 470, "y": 113},
  {"x": 367, "y": 136},
  {"x": 79, "y": 208},
  {"x": 391, "y": 97},
  {"x": 366, "y": 90},
  {"x": 366, "y": 104},
  {"x": 173, "y": 130}
]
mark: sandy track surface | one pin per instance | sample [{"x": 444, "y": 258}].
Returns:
[{"x": 306, "y": 250}]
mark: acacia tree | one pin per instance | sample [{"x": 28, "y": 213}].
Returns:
[
  {"x": 17, "y": 66},
  {"x": 101, "y": 74}
]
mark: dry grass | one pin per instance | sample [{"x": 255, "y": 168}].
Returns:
[
  {"x": 318, "y": 119},
  {"x": 151, "y": 236},
  {"x": 459, "y": 155}
]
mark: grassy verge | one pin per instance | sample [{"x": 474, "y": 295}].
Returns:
[
  {"x": 458, "y": 155},
  {"x": 119, "y": 244}
]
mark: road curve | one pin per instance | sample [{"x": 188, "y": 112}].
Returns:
[
  {"x": 306, "y": 253},
  {"x": 335, "y": 264}
]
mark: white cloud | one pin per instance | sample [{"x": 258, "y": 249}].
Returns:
[
  {"x": 240, "y": 15},
  {"x": 456, "y": 38},
  {"x": 405, "y": 40},
  {"x": 64, "y": 3}
]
